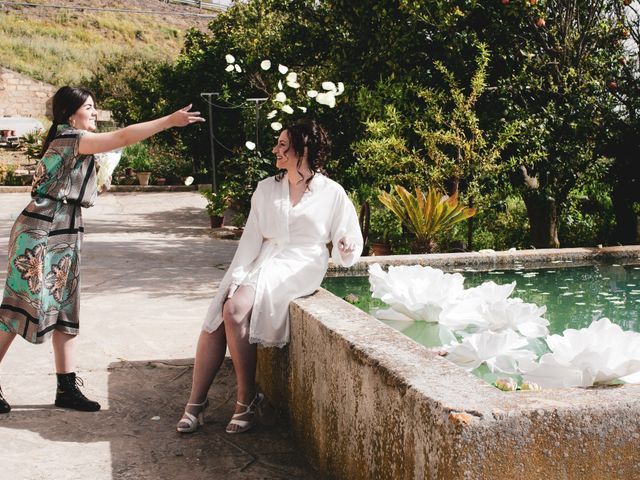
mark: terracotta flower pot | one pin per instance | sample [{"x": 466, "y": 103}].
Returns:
[
  {"x": 216, "y": 221},
  {"x": 143, "y": 178},
  {"x": 378, "y": 249}
]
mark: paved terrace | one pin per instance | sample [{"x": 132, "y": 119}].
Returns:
[{"x": 150, "y": 267}]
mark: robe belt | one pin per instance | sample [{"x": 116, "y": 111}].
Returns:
[{"x": 278, "y": 243}]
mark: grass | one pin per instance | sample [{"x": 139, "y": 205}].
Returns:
[{"x": 65, "y": 47}]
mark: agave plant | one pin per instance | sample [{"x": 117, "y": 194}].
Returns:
[{"x": 425, "y": 215}]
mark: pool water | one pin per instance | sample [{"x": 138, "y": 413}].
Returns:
[{"x": 574, "y": 296}]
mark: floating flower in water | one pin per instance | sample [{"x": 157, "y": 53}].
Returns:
[
  {"x": 265, "y": 64},
  {"x": 282, "y": 69},
  {"x": 250, "y": 145},
  {"x": 501, "y": 351},
  {"x": 600, "y": 353},
  {"x": 507, "y": 384},
  {"x": 276, "y": 126},
  {"x": 403, "y": 289}
]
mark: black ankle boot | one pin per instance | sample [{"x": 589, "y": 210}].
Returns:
[
  {"x": 4, "y": 406},
  {"x": 69, "y": 395}
]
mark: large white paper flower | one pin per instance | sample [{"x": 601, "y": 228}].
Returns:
[
  {"x": 599, "y": 353},
  {"x": 501, "y": 351},
  {"x": 419, "y": 293},
  {"x": 265, "y": 64},
  {"x": 526, "y": 318}
]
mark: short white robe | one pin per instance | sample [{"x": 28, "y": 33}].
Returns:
[{"x": 284, "y": 248}]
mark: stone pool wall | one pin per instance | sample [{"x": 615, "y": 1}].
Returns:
[{"x": 366, "y": 402}]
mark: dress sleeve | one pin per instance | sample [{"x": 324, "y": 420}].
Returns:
[
  {"x": 250, "y": 242},
  {"x": 345, "y": 224}
]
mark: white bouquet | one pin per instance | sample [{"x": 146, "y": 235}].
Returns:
[{"x": 107, "y": 163}]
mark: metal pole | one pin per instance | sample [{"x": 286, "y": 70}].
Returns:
[
  {"x": 208, "y": 97},
  {"x": 258, "y": 102}
]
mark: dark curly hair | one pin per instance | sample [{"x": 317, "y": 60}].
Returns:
[{"x": 309, "y": 134}]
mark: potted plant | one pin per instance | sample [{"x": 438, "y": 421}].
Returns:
[
  {"x": 216, "y": 205},
  {"x": 138, "y": 157}
]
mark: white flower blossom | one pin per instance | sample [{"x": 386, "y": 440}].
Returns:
[
  {"x": 237, "y": 67},
  {"x": 276, "y": 126},
  {"x": 265, "y": 64},
  {"x": 272, "y": 114},
  {"x": 281, "y": 97},
  {"x": 292, "y": 77},
  {"x": 287, "y": 109},
  {"x": 250, "y": 145},
  {"x": 312, "y": 93},
  {"x": 230, "y": 58},
  {"x": 600, "y": 353},
  {"x": 282, "y": 69},
  {"x": 229, "y": 68}
]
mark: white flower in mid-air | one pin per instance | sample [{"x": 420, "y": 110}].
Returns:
[
  {"x": 188, "y": 181},
  {"x": 265, "y": 64},
  {"x": 230, "y": 58},
  {"x": 250, "y": 145},
  {"x": 304, "y": 109},
  {"x": 329, "y": 86},
  {"x": 327, "y": 99},
  {"x": 272, "y": 114},
  {"x": 276, "y": 126},
  {"x": 281, "y": 97},
  {"x": 282, "y": 69},
  {"x": 237, "y": 67},
  {"x": 287, "y": 109},
  {"x": 312, "y": 93},
  {"x": 229, "y": 68}
]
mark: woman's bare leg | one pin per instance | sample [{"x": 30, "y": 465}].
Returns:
[
  {"x": 6, "y": 339},
  {"x": 210, "y": 353},
  {"x": 63, "y": 348},
  {"x": 236, "y": 315}
]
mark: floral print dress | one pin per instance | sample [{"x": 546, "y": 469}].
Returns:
[{"x": 43, "y": 278}]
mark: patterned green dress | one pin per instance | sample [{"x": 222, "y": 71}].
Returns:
[{"x": 42, "y": 292}]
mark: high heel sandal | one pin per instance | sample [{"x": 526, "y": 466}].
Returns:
[
  {"x": 189, "y": 422},
  {"x": 251, "y": 409}
]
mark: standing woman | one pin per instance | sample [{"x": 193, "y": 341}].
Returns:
[
  {"x": 282, "y": 255},
  {"x": 42, "y": 292}
]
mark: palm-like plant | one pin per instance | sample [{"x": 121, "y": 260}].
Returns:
[{"x": 425, "y": 215}]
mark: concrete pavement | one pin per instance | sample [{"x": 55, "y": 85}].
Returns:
[{"x": 149, "y": 269}]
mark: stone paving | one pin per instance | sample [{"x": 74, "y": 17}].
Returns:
[{"x": 150, "y": 268}]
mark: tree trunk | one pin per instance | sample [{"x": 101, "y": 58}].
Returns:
[
  {"x": 626, "y": 231},
  {"x": 543, "y": 220}
]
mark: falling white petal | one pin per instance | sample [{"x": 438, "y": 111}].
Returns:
[
  {"x": 329, "y": 86},
  {"x": 281, "y": 97},
  {"x": 230, "y": 58},
  {"x": 282, "y": 69},
  {"x": 280, "y": 86},
  {"x": 287, "y": 109},
  {"x": 272, "y": 114},
  {"x": 188, "y": 181},
  {"x": 293, "y": 85},
  {"x": 229, "y": 68},
  {"x": 292, "y": 77},
  {"x": 326, "y": 99},
  {"x": 312, "y": 93},
  {"x": 265, "y": 64},
  {"x": 276, "y": 126},
  {"x": 304, "y": 109},
  {"x": 340, "y": 88},
  {"x": 237, "y": 67},
  {"x": 250, "y": 145}
]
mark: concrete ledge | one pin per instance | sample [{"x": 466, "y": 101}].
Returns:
[
  {"x": 367, "y": 402},
  {"x": 117, "y": 188}
]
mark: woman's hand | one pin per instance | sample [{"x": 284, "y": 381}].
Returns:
[
  {"x": 184, "y": 117},
  {"x": 346, "y": 245}
]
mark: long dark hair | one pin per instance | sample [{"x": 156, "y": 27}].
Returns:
[
  {"x": 66, "y": 101},
  {"x": 309, "y": 134}
]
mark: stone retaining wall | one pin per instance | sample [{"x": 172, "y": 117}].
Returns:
[{"x": 367, "y": 402}]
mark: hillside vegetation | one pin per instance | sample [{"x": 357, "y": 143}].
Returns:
[{"x": 63, "y": 46}]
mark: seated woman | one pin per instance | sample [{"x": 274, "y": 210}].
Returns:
[{"x": 282, "y": 255}]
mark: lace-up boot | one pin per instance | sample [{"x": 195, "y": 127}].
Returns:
[
  {"x": 4, "y": 405},
  {"x": 69, "y": 395}
]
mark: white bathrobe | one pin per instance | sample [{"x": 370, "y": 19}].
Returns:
[{"x": 284, "y": 250}]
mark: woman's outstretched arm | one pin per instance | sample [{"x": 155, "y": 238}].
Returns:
[{"x": 103, "y": 142}]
